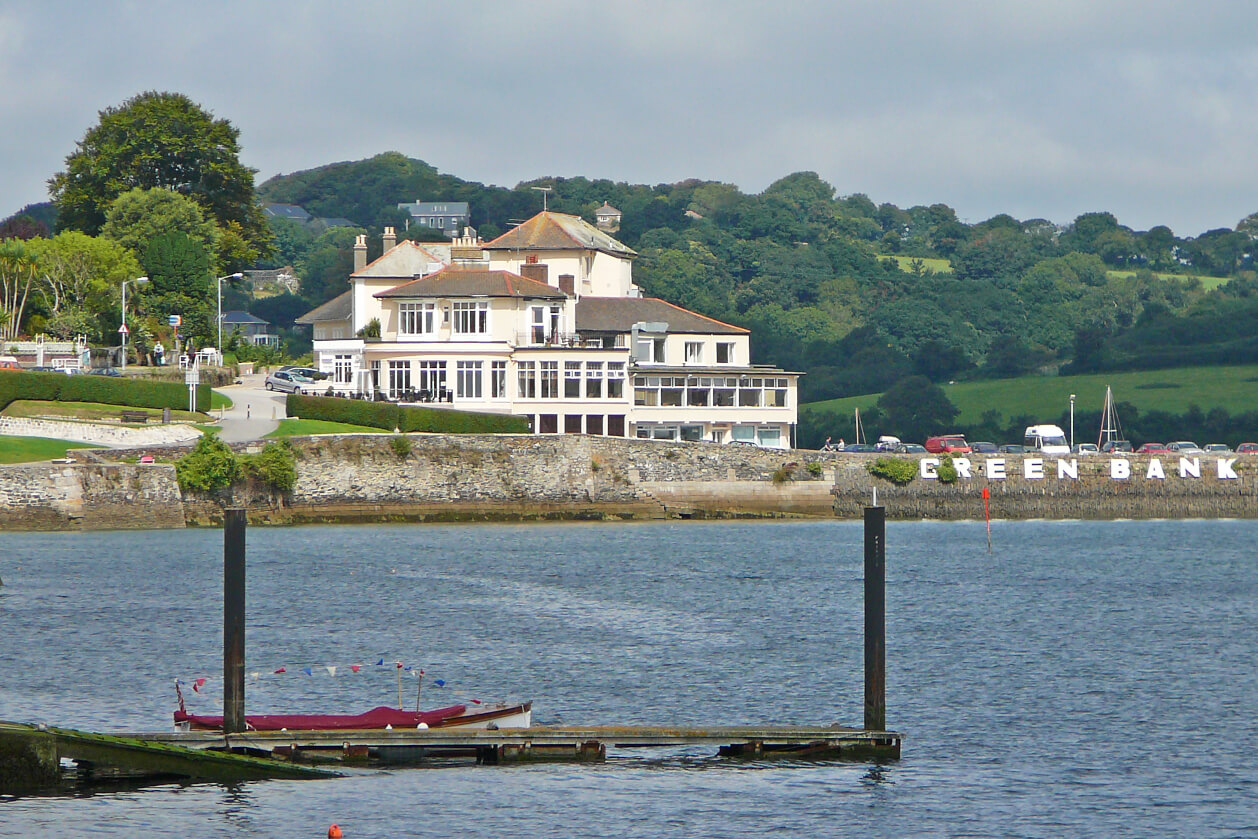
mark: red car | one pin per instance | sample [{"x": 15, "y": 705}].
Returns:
[
  {"x": 947, "y": 443},
  {"x": 1153, "y": 448},
  {"x": 1247, "y": 448}
]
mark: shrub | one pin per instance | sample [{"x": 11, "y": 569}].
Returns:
[
  {"x": 401, "y": 446},
  {"x": 135, "y": 393},
  {"x": 781, "y": 475},
  {"x": 894, "y": 469},
  {"x": 389, "y": 416},
  {"x": 814, "y": 469},
  {"x": 209, "y": 467},
  {"x": 275, "y": 466},
  {"x": 947, "y": 472}
]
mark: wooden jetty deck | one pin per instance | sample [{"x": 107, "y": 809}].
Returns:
[{"x": 540, "y": 743}]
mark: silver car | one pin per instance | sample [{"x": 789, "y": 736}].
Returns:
[{"x": 288, "y": 381}]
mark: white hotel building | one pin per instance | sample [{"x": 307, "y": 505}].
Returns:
[{"x": 545, "y": 322}]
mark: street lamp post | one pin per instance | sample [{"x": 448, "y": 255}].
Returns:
[
  {"x": 1072, "y": 422},
  {"x": 235, "y": 276},
  {"x": 125, "y": 330}
]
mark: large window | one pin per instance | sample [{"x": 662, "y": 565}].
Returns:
[
  {"x": 498, "y": 380},
  {"x": 399, "y": 378},
  {"x": 343, "y": 369},
  {"x": 417, "y": 318},
  {"x": 615, "y": 380},
  {"x": 548, "y": 375},
  {"x": 544, "y": 324},
  {"x": 527, "y": 380},
  {"x": 650, "y": 350},
  {"x": 725, "y": 352},
  {"x": 471, "y": 317},
  {"x": 572, "y": 380},
  {"x": 468, "y": 379},
  {"x": 593, "y": 380},
  {"x": 432, "y": 377},
  {"x": 694, "y": 352}
]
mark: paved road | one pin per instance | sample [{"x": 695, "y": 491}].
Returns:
[{"x": 255, "y": 411}]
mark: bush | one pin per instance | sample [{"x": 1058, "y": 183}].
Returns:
[
  {"x": 133, "y": 393},
  {"x": 894, "y": 469},
  {"x": 947, "y": 472},
  {"x": 275, "y": 466},
  {"x": 782, "y": 474},
  {"x": 814, "y": 469},
  {"x": 209, "y": 467},
  {"x": 389, "y": 416},
  {"x": 401, "y": 446}
]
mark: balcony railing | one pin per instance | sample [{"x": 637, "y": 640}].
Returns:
[{"x": 540, "y": 338}]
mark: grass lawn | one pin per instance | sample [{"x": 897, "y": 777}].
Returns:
[
  {"x": 302, "y": 427},
  {"x": 218, "y": 400},
  {"x": 31, "y": 449},
  {"x": 1045, "y": 398},
  {"x": 932, "y": 263},
  {"x": 1208, "y": 283},
  {"x": 86, "y": 410}
]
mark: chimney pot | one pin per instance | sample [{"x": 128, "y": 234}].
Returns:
[
  {"x": 390, "y": 238},
  {"x": 360, "y": 252}
]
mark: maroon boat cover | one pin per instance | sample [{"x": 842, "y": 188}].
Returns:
[{"x": 375, "y": 718}]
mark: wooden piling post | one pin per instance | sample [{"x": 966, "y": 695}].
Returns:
[
  {"x": 234, "y": 523},
  {"x": 875, "y": 619}
]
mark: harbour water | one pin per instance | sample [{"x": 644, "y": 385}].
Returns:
[{"x": 1084, "y": 679}]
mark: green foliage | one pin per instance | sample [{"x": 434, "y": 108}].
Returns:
[
  {"x": 401, "y": 446},
  {"x": 166, "y": 141},
  {"x": 136, "y": 393},
  {"x": 210, "y": 466},
  {"x": 275, "y": 466},
  {"x": 79, "y": 284},
  {"x": 407, "y": 419},
  {"x": 782, "y": 474},
  {"x": 138, "y": 216},
  {"x": 916, "y": 408},
  {"x": 897, "y": 470},
  {"x": 815, "y": 469},
  {"x": 946, "y": 471},
  {"x": 371, "y": 330}
]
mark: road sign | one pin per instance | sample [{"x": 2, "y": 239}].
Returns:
[
  {"x": 123, "y": 329},
  {"x": 175, "y": 320},
  {"x": 192, "y": 376}
]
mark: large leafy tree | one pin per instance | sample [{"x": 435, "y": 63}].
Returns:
[
  {"x": 180, "y": 283},
  {"x": 79, "y": 283},
  {"x": 160, "y": 140},
  {"x": 916, "y": 408}
]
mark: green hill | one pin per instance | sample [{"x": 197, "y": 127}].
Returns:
[{"x": 1045, "y": 398}]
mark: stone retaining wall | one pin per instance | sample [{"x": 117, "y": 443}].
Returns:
[
  {"x": 100, "y": 433},
  {"x": 44, "y": 496}
]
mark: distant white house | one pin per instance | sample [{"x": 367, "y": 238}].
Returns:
[
  {"x": 546, "y": 322},
  {"x": 253, "y": 329},
  {"x": 450, "y": 217}
]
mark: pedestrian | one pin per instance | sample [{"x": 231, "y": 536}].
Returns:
[
  {"x": 841, "y": 446},
  {"x": 828, "y": 447}
]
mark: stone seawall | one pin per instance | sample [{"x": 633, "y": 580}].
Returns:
[{"x": 445, "y": 478}]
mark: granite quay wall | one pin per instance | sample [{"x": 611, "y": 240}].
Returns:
[
  {"x": 45, "y": 496},
  {"x": 366, "y": 478}
]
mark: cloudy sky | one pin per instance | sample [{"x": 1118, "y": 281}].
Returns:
[{"x": 1147, "y": 109}]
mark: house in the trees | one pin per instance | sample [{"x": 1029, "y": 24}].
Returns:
[
  {"x": 253, "y": 329},
  {"x": 450, "y": 217},
  {"x": 546, "y": 322}
]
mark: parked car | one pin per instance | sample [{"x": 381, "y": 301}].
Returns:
[
  {"x": 106, "y": 371},
  {"x": 1218, "y": 448},
  {"x": 1153, "y": 448},
  {"x": 1012, "y": 448},
  {"x": 984, "y": 448},
  {"x": 309, "y": 372},
  {"x": 859, "y": 448},
  {"x": 887, "y": 443},
  {"x": 8, "y": 362},
  {"x": 287, "y": 381},
  {"x": 1085, "y": 448},
  {"x": 1185, "y": 447},
  {"x": 910, "y": 448},
  {"x": 1247, "y": 448},
  {"x": 1116, "y": 447},
  {"x": 947, "y": 443}
]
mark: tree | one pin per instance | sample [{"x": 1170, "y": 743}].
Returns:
[
  {"x": 22, "y": 226},
  {"x": 917, "y": 408},
  {"x": 17, "y": 276},
  {"x": 160, "y": 140},
  {"x": 178, "y": 269},
  {"x": 79, "y": 283}
]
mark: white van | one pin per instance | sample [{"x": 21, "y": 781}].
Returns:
[{"x": 1046, "y": 439}]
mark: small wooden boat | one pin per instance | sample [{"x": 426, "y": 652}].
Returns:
[{"x": 481, "y": 715}]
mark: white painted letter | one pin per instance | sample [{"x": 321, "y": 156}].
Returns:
[
  {"x": 1119, "y": 469},
  {"x": 928, "y": 467},
  {"x": 1225, "y": 469},
  {"x": 1068, "y": 468},
  {"x": 995, "y": 469},
  {"x": 963, "y": 466},
  {"x": 1033, "y": 468},
  {"x": 1155, "y": 470},
  {"x": 1190, "y": 467}
]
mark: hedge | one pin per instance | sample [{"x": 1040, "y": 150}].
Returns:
[
  {"x": 109, "y": 390},
  {"x": 389, "y": 416}
]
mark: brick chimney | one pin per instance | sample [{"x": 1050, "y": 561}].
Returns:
[
  {"x": 536, "y": 271},
  {"x": 360, "y": 252},
  {"x": 568, "y": 284},
  {"x": 390, "y": 239}
]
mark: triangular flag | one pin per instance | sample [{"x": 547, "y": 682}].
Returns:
[
  {"x": 307, "y": 671},
  {"x": 355, "y": 667},
  {"x": 380, "y": 663},
  {"x": 282, "y": 670},
  {"x": 439, "y": 682},
  {"x": 331, "y": 669}
]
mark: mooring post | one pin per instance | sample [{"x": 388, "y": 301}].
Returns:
[
  {"x": 233, "y": 620},
  {"x": 875, "y": 618}
]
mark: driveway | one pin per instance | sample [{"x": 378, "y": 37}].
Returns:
[{"x": 255, "y": 411}]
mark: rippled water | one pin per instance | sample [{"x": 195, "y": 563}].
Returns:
[{"x": 1087, "y": 679}]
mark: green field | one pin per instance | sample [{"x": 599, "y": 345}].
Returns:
[
  {"x": 1045, "y": 398},
  {"x": 86, "y": 411},
  {"x": 932, "y": 263},
  {"x": 30, "y": 449},
  {"x": 302, "y": 427},
  {"x": 1208, "y": 283}
]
